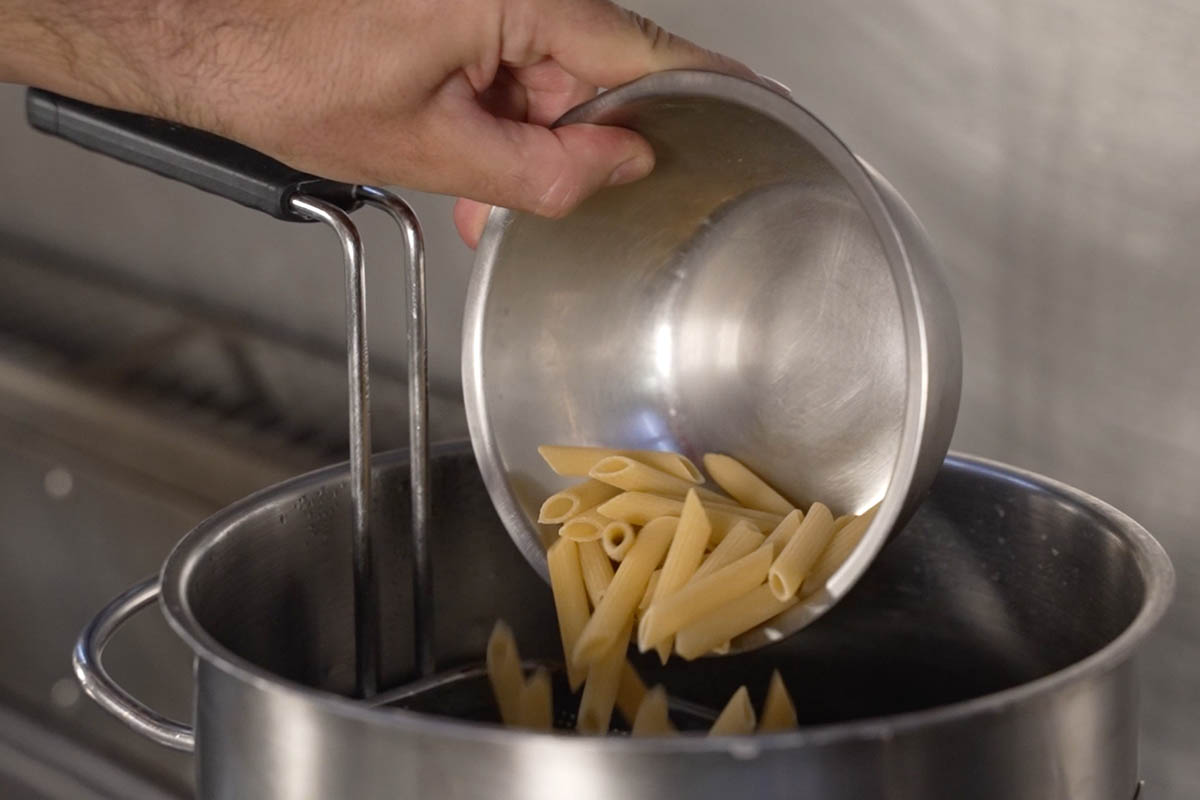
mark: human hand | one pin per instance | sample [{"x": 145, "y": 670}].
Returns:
[{"x": 450, "y": 96}]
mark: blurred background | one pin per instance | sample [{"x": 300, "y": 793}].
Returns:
[{"x": 163, "y": 352}]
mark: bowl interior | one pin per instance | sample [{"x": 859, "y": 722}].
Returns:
[
  {"x": 738, "y": 300},
  {"x": 995, "y": 582}
]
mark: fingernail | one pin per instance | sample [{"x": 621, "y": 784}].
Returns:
[
  {"x": 775, "y": 85},
  {"x": 630, "y": 170}
]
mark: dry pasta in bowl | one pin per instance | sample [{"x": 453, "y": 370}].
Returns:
[{"x": 648, "y": 556}]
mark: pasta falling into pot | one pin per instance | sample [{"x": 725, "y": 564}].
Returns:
[{"x": 647, "y": 555}]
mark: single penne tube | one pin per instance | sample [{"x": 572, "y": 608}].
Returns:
[
  {"x": 731, "y": 620},
  {"x": 784, "y": 530},
  {"x": 742, "y": 540},
  {"x": 652, "y": 718},
  {"x": 586, "y": 527},
  {"x": 711, "y": 498},
  {"x": 843, "y": 521},
  {"x": 630, "y": 692},
  {"x": 617, "y": 539},
  {"x": 574, "y": 500},
  {"x": 736, "y": 718},
  {"x": 648, "y": 595},
  {"x": 570, "y": 603},
  {"x": 797, "y": 558},
  {"x": 504, "y": 673},
  {"x": 779, "y": 713},
  {"x": 638, "y": 508},
  {"x": 685, "y": 554},
  {"x": 737, "y": 481},
  {"x": 701, "y": 597},
  {"x": 629, "y": 582},
  {"x": 842, "y": 545},
  {"x": 566, "y": 460},
  {"x": 725, "y": 519},
  {"x": 597, "y": 570},
  {"x": 537, "y": 710},
  {"x": 627, "y": 474},
  {"x": 600, "y": 689}
]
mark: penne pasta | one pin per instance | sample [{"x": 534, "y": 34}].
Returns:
[
  {"x": 566, "y": 460},
  {"x": 839, "y": 549},
  {"x": 784, "y": 530},
  {"x": 570, "y": 602},
  {"x": 729, "y": 621},
  {"x": 586, "y": 527},
  {"x": 573, "y": 501},
  {"x": 744, "y": 486},
  {"x": 725, "y": 519},
  {"x": 504, "y": 673},
  {"x": 630, "y": 692},
  {"x": 709, "y": 497},
  {"x": 624, "y": 473},
  {"x": 737, "y": 717},
  {"x": 652, "y": 718},
  {"x": 603, "y": 681},
  {"x": 537, "y": 711},
  {"x": 685, "y": 554},
  {"x": 651, "y": 585},
  {"x": 617, "y": 540},
  {"x": 796, "y": 560},
  {"x": 700, "y": 597},
  {"x": 842, "y": 521},
  {"x": 779, "y": 714},
  {"x": 638, "y": 508},
  {"x": 742, "y": 540},
  {"x": 597, "y": 570},
  {"x": 617, "y": 606}
]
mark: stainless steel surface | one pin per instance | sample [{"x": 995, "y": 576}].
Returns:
[
  {"x": 762, "y": 294},
  {"x": 41, "y": 764},
  {"x": 1041, "y": 142},
  {"x": 418, "y": 421},
  {"x": 89, "y": 669},
  {"x": 102, "y": 469},
  {"x": 289, "y": 390},
  {"x": 365, "y": 612},
  {"x": 466, "y": 689},
  {"x": 1007, "y": 614},
  {"x": 97, "y": 483}
]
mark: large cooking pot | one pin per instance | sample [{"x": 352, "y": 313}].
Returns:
[{"x": 987, "y": 654}]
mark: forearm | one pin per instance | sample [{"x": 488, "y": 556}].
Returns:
[
  {"x": 110, "y": 52},
  {"x": 452, "y": 96}
]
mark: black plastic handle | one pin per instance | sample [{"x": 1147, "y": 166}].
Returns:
[{"x": 197, "y": 158}]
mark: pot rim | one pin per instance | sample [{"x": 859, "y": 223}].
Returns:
[
  {"x": 1152, "y": 561},
  {"x": 858, "y": 176}
]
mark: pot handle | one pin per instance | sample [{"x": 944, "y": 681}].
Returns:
[
  {"x": 204, "y": 160},
  {"x": 99, "y": 685}
]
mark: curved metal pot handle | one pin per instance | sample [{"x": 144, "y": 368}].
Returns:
[{"x": 99, "y": 685}]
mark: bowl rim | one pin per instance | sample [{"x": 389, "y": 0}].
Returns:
[
  {"x": 1148, "y": 555},
  {"x": 859, "y": 177}
]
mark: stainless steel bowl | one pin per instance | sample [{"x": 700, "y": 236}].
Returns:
[{"x": 764, "y": 293}]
